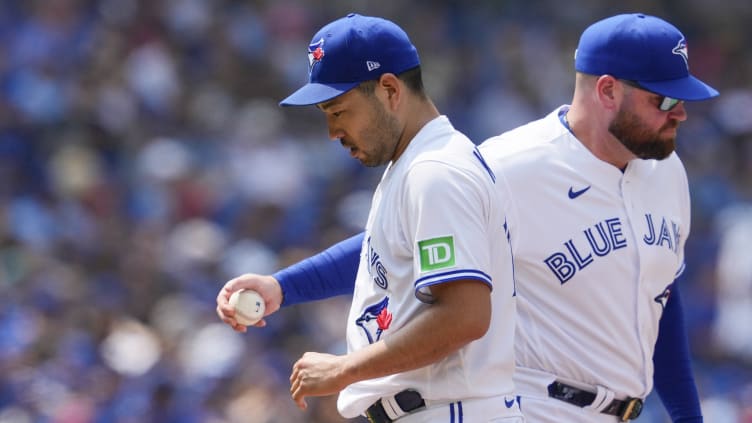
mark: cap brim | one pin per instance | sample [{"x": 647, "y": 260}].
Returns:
[
  {"x": 687, "y": 89},
  {"x": 315, "y": 93}
]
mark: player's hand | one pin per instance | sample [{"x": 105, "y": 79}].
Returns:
[
  {"x": 265, "y": 285},
  {"x": 315, "y": 375}
]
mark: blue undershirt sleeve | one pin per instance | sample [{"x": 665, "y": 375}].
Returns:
[
  {"x": 326, "y": 274},
  {"x": 673, "y": 377}
]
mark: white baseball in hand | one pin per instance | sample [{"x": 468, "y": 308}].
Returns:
[{"x": 249, "y": 306}]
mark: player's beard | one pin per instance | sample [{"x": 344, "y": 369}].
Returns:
[
  {"x": 380, "y": 138},
  {"x": 644, "y": 143}
]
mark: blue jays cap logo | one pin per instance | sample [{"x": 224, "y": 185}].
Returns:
[
  {"x": 681, "y": 50},
  {"x": 315, "y": 54}
]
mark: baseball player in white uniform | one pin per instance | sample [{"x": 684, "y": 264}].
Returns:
[
  {"x": 434, "y": 290},
  {"x": 601, "y": 211},
  {"x": 414, "y": 241}
]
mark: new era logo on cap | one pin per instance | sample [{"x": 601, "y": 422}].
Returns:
[{"x": 349, "y": 51}]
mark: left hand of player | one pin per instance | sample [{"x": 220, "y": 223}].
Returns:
[{"x": 316, "y": 374}]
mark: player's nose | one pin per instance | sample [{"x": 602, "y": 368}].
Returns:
[
  {"x": 335, "y": 134},
  {"x": 679, "y": 112}
]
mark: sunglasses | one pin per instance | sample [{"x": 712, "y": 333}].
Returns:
[{"x": 667, "y": 103}]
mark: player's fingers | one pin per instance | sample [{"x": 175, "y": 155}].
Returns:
[
  {"x": 244, "y": 281},
  {"x": 299, "y": 398},
  {"x": 229, "y": 318},
  {"x": 295, "y": 373},
  {"x": 294, "y": 388},
  {"x": 296, "y": 392},
  {"x": 224, "y": 310},
  {"x": 226, "y": 315},
  {"x": 223, "y": 297}
]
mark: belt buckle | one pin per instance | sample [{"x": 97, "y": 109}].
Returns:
[
  {"x": 376, "y": 418},
  {"x": 632, "y": 410}
]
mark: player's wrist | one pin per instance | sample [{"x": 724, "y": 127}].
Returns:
[
  {"x": 277, "y": 293},
  {"x": 345, "y": 371}
]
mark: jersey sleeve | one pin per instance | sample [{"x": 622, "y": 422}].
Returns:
[
  {"x": 446, "y": 217},
  {"x": 673, "y": 378},
  {"x": 327, "y": 274}
]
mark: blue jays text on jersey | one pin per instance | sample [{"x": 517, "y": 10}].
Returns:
[
  {"x": 605, "y": 237},
  {"x": 376, "y": 268}
]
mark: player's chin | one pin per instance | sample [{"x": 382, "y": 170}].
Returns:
[
  {"x": 660, "y": 152},
  {"x": 362, "y": 158}
]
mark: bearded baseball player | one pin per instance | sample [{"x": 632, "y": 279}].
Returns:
[
  {"x": 433, "y": 291},
  {"x": 600, "y": 216},
  {"x": 601, "y": 210}
]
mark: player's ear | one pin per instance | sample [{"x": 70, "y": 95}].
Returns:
[
  {"x": 608, "y": 91},
  {"x": 392, "y": 90}
]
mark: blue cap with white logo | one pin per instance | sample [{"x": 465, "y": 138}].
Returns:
[
  {"x": 349, "y": 51},
  {"x": 641, "y": 48}
]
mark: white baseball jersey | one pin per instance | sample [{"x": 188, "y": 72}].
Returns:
[
  {"x": 435, "y": 217},
  {"x": 595, "y": 251}
]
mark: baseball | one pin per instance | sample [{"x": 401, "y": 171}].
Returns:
[{"x": 249, "y": 306}]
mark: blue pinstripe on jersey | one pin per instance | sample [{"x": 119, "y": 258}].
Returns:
[
  {"x": 511, "y": 253},
  {"x": 458, "y": 418},
  {"x": 479, "y": 156}
]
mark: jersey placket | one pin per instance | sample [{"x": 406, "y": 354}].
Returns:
[{"x": 628, "y": 187}]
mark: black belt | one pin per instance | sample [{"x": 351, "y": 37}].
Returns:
[
  {"x": 628, "y": 409},
  {"x": 408, "y": 400}
]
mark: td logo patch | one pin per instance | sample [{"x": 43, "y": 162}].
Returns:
[{"x": 436, "y": 253}]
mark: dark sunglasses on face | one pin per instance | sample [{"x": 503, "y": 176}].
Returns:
[{"x": 667, "y": 103}]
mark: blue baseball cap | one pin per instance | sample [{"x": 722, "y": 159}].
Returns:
[
  {"x": 349, "y": 51},
  {"x": 641, "y": 48}
]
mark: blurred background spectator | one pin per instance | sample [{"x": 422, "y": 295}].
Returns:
[{"x": 144, "y": 161}]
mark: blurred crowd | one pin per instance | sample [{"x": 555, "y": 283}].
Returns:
[{"x": 144, "y": 161}]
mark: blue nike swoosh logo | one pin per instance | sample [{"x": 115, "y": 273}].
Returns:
[
  {"x": 575, "y": 194},
  {"x": 509, "y": 404}
]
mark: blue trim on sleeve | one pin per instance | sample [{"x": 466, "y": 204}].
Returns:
[
  {"x": 327, "y": 274},
  {"x": 438, "y": 278}
]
